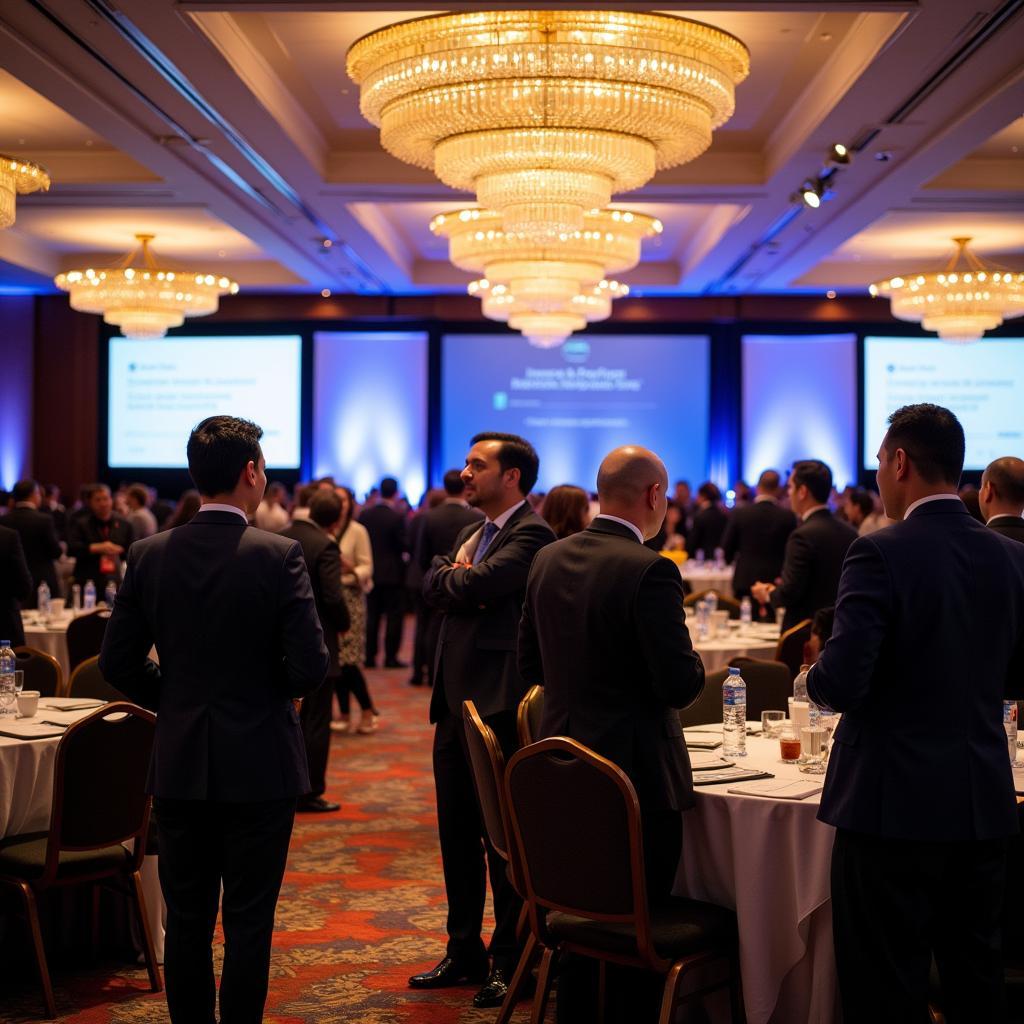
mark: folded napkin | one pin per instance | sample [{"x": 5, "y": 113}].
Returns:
[
  {"x": 706, "y": 760},
  {"x": 29, "y": 729},
  {"x": 734, "y": 774},
  {"x": 778, "y": 789},
  {"x": 65, "y": 717},
  {"x": 70, "y": 703}
]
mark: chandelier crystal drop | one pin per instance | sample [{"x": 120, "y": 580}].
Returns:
[
  {"x": 18, "y": 178},
  {"x": 545, "y": 115},
  {"x": 142, "y": 298},
  {"x": 961, "y": 302}
]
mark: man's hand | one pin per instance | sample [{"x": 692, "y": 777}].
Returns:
[
  {"x": 106, "y": 547},
  {"x": 762, "y": 592}
]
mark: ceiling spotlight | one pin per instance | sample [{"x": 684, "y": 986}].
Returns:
[
  {"x": 811, "y": 193},
  {"x": 327, "y": 243},
  {"x": 839, "y": 155},
  {"x": 830, "y": 294},
  {"x": 325, "y": 293}
]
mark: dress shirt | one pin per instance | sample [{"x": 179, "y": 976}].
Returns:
[
  {"x": 1002, "y": 515},
  {"x": 766, "y": 497},
  {"x": 500, "y": 521},
  {"x": 214, "y": 506},
  {"x": 810, "y": 512},
  {"x": 622, "y": 522},
  {"x": 927, "y": 498}
]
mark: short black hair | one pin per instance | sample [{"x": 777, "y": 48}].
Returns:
[
  {"x": 219, "y": 449},
  {"x": 933, "y": 440},
  {"x": 1006, "y": 475},
  {"x": 24, "y": 489},
  {"x": 388, "y": 487},
  {"x": 861, "y": 497},
  {"x": 769, "y": 480},
  {"x": 325, "y": 508},
  {"x": 515, "y": 453},
  {"x": 454, "y": 485},
  {"x": 709, "y": 492},
  {"x": 815, "y": 475}
]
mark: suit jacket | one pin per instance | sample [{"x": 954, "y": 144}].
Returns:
[
  {"x": 323, "y": 562},
  {"x": 811, "y": 567},
  {"x": 603, "y": 632},
  {"x": 387, "y": 539},
  {"x": 707, "y": 530},
  {"x": 15, "y": 586},
  {"x": 441, "y": 526},
  {"x": 232, "y": 614},
  {"x": 1008, "y": 526},
  {"x": 86, "y": 529},
  {"x": 476, "y": 650},
  {"x": 39, "y": 542},
  {"x": 756, "y": 538},
  {"x": 928, "y": 642}
]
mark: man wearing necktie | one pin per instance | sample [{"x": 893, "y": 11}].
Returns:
[{"x": 479, "y": 589}]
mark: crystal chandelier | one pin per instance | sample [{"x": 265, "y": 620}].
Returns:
[
  {"x": 18, "y": 177},
  {"x": 140, "y": 297},
  {"x": 544, "y": 115},
  {"x": 961, "y": 302}
]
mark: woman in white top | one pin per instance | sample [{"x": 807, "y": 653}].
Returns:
[{"x": 356, "y": 582}]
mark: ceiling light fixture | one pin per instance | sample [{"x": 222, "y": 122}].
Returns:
[
  {"x": 17, "y": 178},
  {"x": 960, "y": 302},
  {"x": 839, "y": 155},
  {"x": 142, "y": 298},
  {"x": 545, "y": 115},
  {"x": 812, "y": 193}
]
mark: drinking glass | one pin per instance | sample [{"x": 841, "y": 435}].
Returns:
[
  {"x": 789, "y": 742},
  {"x": 813, "y": 749},
  {"x": 19, "y": 681},
  {"x": 7, "y": 695},
  {"x": 771, "y": 721}
]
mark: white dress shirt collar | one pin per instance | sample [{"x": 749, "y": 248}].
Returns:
[
  {"x": 766, "y": 497},
  {"x": 1003, "y": 515},
  {"x": 926, "y": 499},
  {"x": 811, "y": 511},
  {"x": 622, "y": 522},
  {"x": 214, "y": 506},
  {"x": 505, "y": 516}
]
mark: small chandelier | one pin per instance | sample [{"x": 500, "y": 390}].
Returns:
[
  {"x": 544, "y": 115},
  {"x": 961, "y": 302},
  {"x": 18, "y": 177},
  {"x": 140, "y": 297}
]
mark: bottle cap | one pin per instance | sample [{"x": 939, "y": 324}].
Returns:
[{"x": 733, "y": 671}]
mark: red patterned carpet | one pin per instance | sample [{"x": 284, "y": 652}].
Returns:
[{"x": 362, "y": 906}]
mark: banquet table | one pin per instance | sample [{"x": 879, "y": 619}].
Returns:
[
  {"x": 705, "y": 576},
  {"x": 769, "y": 859},
  {"x": 50, "y": 638},
  {"x": 753, "y": 641}
]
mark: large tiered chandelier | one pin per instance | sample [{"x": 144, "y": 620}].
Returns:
[
  {"x": 544, "y": 115},
  {"x": 142, "y": 298},
  {"x": 18, "y": 177},
  {"x": 960, "y": 302}
]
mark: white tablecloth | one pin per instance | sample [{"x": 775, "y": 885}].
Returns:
[
  {"x": 717, "y": 652},
  {"x": 51, "y": 639},
  {"x": 707, "y": 577},
  {"x": 769, "y": 859}
]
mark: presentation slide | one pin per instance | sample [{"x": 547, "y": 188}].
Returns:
[
  {"x": 577, "y": 402},
  {"x": 159, "y": 390},
  {"x": 983, "y": 383}
]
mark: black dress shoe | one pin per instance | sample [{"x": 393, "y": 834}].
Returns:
[
  {"x": 395, "y": 663},
  {"x": 317, "y": 805},
  {"x": 494, "y": 991},
  {"x": 449, "y": 972}
]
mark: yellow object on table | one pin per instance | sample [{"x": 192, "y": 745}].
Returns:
[{"x": 674, "y": 556}]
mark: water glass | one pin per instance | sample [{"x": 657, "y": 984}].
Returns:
[
  {"x": 19, "y": 681},
  {"x": 813, "y": 749},
  {"x": 7, "y": 695},
  {"x": 771, "y": 722}
]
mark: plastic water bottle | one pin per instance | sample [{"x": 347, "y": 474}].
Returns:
[
  {"x": 8, "y": 665},
  {"x": 1010, "y": 725},
  {"x": 76, "y": 598},
  {"x": 43, "y": 599},
  {"x": 711, "y": 597},
  {"x": 703, "y": 619},
  {"x": 800, "y": 684},
  {"x": 109, "y": 594},
  {"x": 734, "y": 715},
  {"x": 746, "y": 611},
  {"x": 699, "y": 556},
  {"x": 89, "y": 596},
  {"x": 719, "y": 558}
]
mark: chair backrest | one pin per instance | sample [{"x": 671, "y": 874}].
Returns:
[
  {"x": 87, "y": 681},
  {"x": 85, "y": 636},
  {"x": 99, "y": 781},
  {"x": 531, "y": 711},
  {"x": 42, "y": 671},
  {"x": 790, "y": 648},
  {"x": 725, "y": 603},
  {"x": 707, "y": 707},
  {"x": 768, "y": 685},
  {"x": 488, "y": 765}
]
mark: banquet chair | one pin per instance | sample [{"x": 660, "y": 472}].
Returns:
[
  {"x": 42, "y": 671},
  {"x": 769, "y": 685},
  {"x": 529, "y": 715},
  {"x": 725, "y": 604},
  {"x": 88, "y": 681},
  {"x": 99, "y": 805},
  {"x": 85, "y": 636},
  {"x": 575, "y": 820},
  {"x": 707, "y": 708},
  {"x": 790, "y": 648},
  {"x": 488, "y": 765}
]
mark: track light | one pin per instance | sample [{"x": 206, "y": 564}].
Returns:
[
  {"x": 838, "y": 155},
  {"x": 812, "y": 193}
]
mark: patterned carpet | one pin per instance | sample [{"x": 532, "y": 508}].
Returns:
[{"x": 362, "y": 906}]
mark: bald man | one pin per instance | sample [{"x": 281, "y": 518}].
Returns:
[
  {"x": 1002, "y": 497},
  {"x": 603, "y": 631}
]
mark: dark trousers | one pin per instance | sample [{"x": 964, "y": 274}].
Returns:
[
  {"x": 422, "y": 651},
  {"x": 464, "y": 843},
  {"x": 204, "y": 844},
  {"x": 316, "y": 731},
  {"x": 385, "y": 601},
  {"x": 352, "y": 681},
  {"x": 895, "y": 903}
]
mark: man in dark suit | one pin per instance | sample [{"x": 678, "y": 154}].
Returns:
[
  {"x": 814, "y": 551},
  {"x": 231, "y": 612},
  {"x": 38, "y": 537},
  {"x": 1002, "y": 497},
  {"x": 98, "y": 539},
  {"x": 603, "y": 631},
  {"x": 928, "y": 642},
  {"x": 15, "y": 586},
  {"x": 386, "y": 527},
  {"x": 479, "y": 588},
  {"x": 323, "y": 561},
  {"x": 709, "y": 522},
  {"x": 756, "y": 536},
  {"x": 438, "y": 530}
]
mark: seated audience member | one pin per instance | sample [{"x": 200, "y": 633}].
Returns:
[
  {"x": 566, "y": 510},
  {"x": 140, "y": 519},
  {"x": 1001, "y": 497},
  {"x": 861, "y": 513},
  {"x": 709, "y": 522},
  {"x": 272, "y": 513},
  {"x": 99, "y": 540},
  {"x": 187, "y": 507},
  {"x": 38, "y": 537},
  {"x": 821, "y": 630},
  {"x": 756, "y": 536}
]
